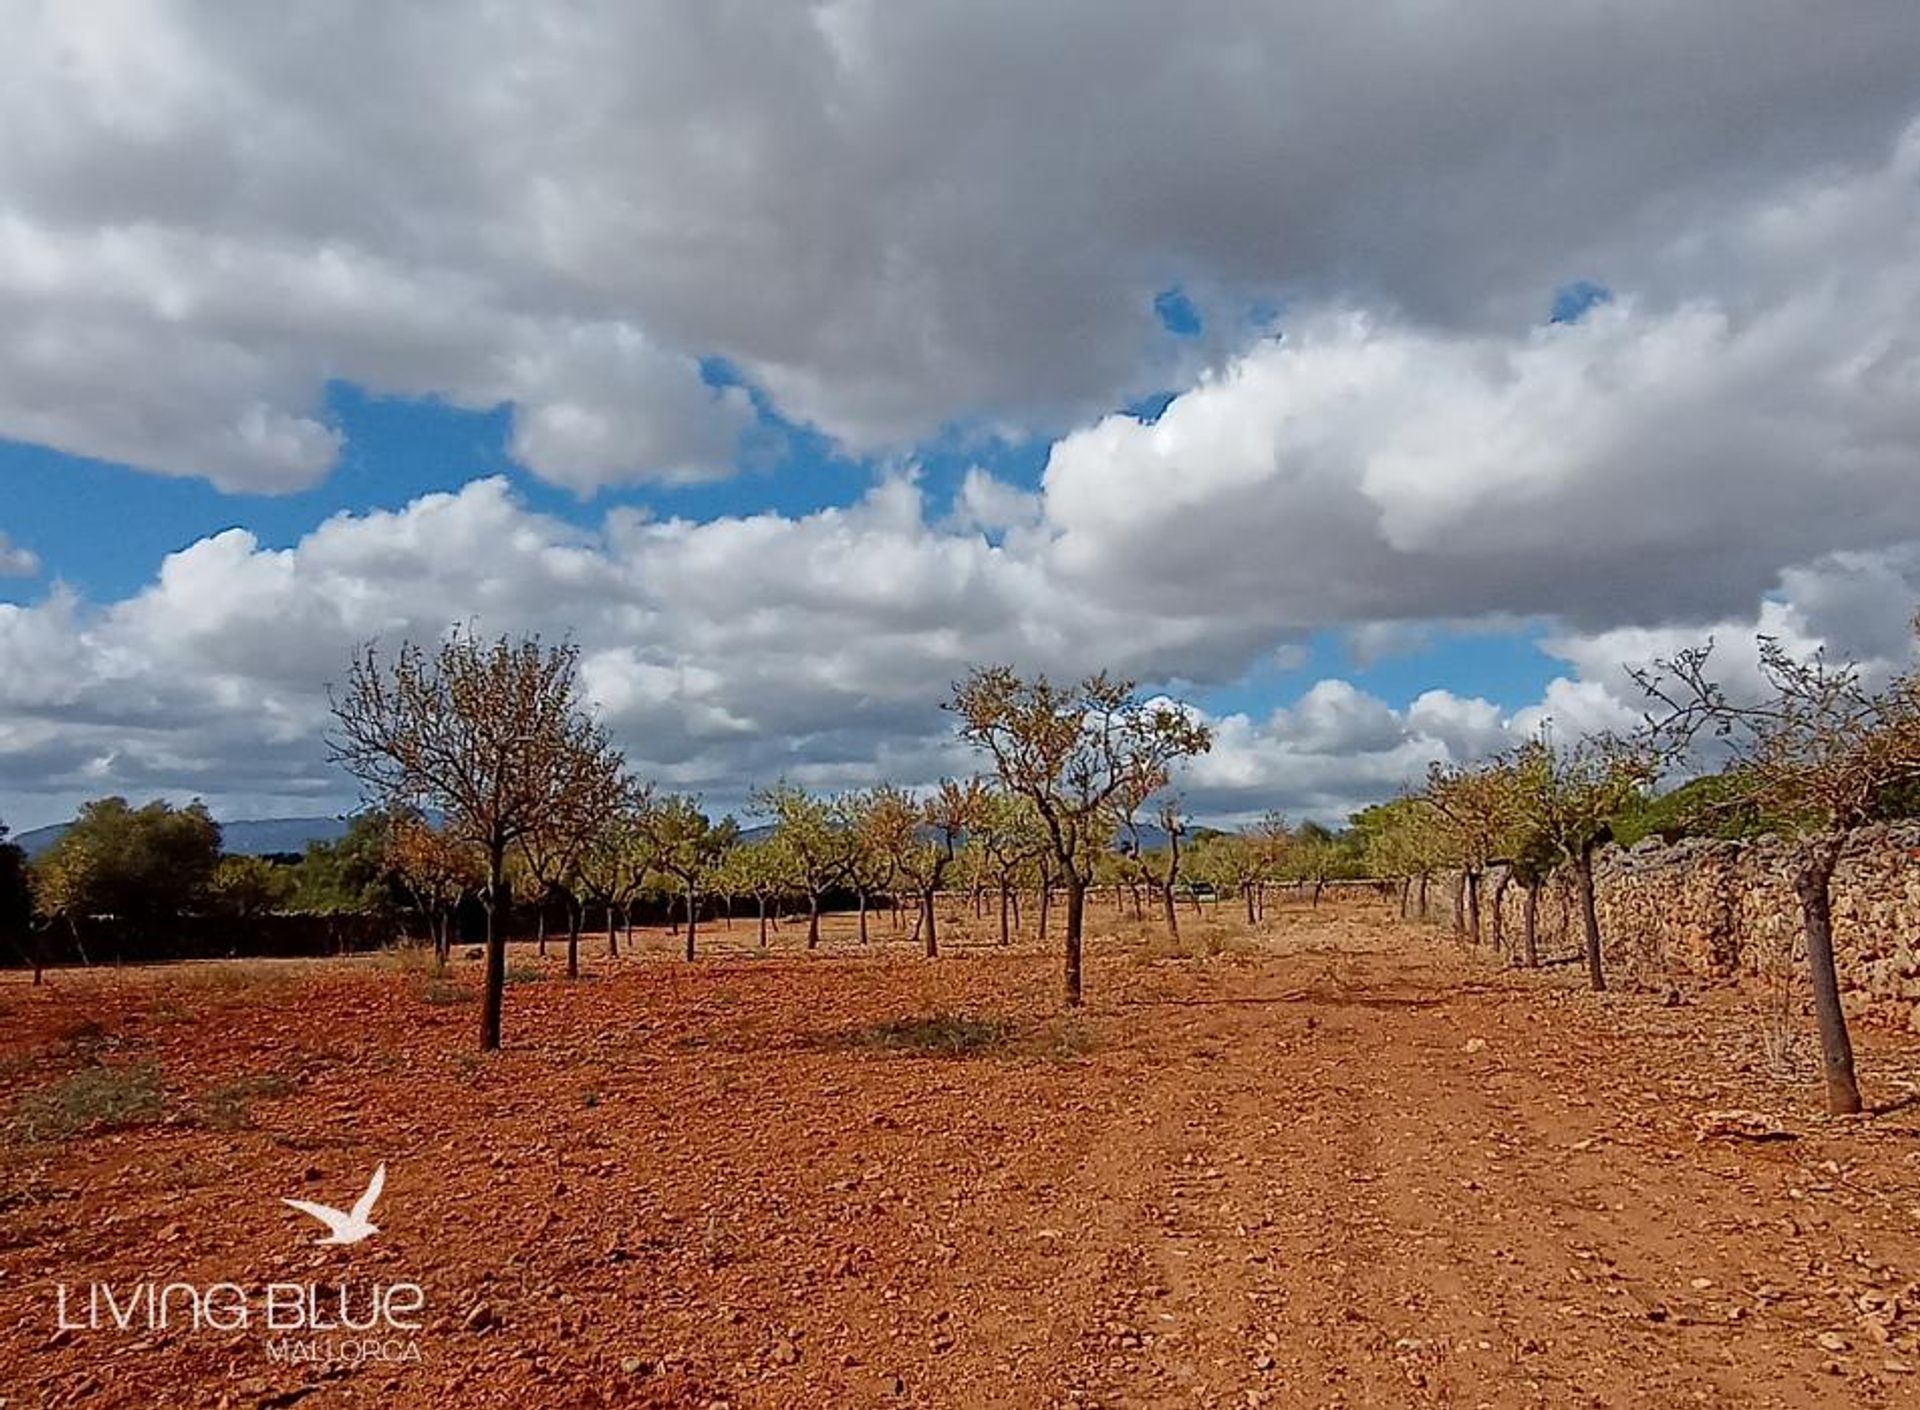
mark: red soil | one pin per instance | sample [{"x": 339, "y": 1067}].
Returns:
[{"x": 1342, "y": 1164}]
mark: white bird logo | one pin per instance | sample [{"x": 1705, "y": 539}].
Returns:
[{"x": 353, "y": 1226}]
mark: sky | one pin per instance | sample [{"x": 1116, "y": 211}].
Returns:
[{"x": 1384, "y": 380}]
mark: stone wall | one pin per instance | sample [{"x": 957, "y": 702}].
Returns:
[{"x": 1728, "y": 908}]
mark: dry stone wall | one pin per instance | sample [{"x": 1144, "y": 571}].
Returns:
[{"x": 1728, "y": 908}]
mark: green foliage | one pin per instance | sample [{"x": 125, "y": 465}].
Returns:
[
  {"x": 351, "y": 873},
  {"x": 937, "y": 1035},
  {"x": 252, "y": 886},
  {"x": 144, "y": 864},
  {"x": 1712, "y": 805},
  {"x": 95, "y": 1098},
  {"x": 229, "y": 1107},
  {"x": 16, "y": 894}
]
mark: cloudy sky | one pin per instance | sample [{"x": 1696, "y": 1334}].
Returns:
[{"x": 1383, "y": 378}]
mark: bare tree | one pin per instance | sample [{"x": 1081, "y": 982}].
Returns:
[
  {"x": 1816, "y": 752},
  {"x": 1160, "y": 868},
  {"x": 1074, "y": 751},
  {"x": 491, "y": 735}
]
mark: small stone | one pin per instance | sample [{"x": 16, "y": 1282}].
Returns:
[
  {"x": 784, "y": 1353},
  {"x": 1832, "y": 1341},
  {"x": 481, "y": 1318},
  {"x": 1476, "y": 1045}
]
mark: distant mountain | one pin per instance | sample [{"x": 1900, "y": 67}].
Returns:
[{"x": 244, "y": 837}]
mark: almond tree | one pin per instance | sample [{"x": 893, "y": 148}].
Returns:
[
  {"x": 1565, "y": 798},
  {"x": 765, "y": 871},
  {"x": 557, "y": 852},
  {"x": 614, "y": 867},
  {"x": 815, "y": 843},
  {"x": 1074, "y": 751},
  {"x": 868, "y": 864},
  {"x": 1007, "y": 832},
  {"x": 689, "y": 847},
  {"x": 1475, "y": 807},
  {"x": 437, "y": 871},
  {"x": 1160, "y": 869},
  {"x": 924, "y": 837},
  {"x": 1818, "y": 750},
  {"x": 490, "y": 735}
]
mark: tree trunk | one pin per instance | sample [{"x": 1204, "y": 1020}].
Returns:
[
  {"x": 693, "y": 919},
  {"x": 1425, "y": 878},
  {"x": 540, "y": 924},
  {"x": 1172, "y": 911},
  {"x": 813, "y": 920},
  {"x": 1076, "y": 915},
  {"x": 1319, "y": 885},
  {"x": 1814, "y": 884},
  {"x": 1015, "y": 899},
  {"x": 1006, "y": 914},
  {"x": 576, "y": 914},
  {"x": 863, "y": 915},
  {"x": 495, "y": 989},
  {"x": 933, "y": 945},
  {"x": 1460, "y": 906},
  {"x": 1589, "y": 916},
  {"x": 1498, "y": 927},
  {"x": 1045, "y": 907},
  {"x": 763, "y": 920},
  {"x": 626, "y": 924},
  {"x": 1530, "y": 926},
  {"x": 1473, "y": 905}
]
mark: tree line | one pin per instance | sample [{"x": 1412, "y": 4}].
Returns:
[{"x": 1809, "y": 750}]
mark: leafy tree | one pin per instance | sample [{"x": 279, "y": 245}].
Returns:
[
  {"x": 1007, "y": 831},
  {"x": 1074, "y": 751},
  {"x": 146, "y": 865},
  {"x": 869, "y": 865},
  {"x": 816, "y": 844},
  {"x": 16, "y": 903},
  {"x": 689, "y": 847},
  {"x": 490, "y": 735},
  {"x": 437, "y": 870},
  {"x": 1707, "y": 806},
  {"x": 614, "y": 867},
  {"x": 251, "y": 886},
  {"x": 350, "y": 873},
  {"x": 1230, "y": 861},
  {"x": 923, "y": 837},
  {"x": 1819, "y": 751},
  {"x": 1474, "y": 805},
  {"x": 1564, "y": 798},
  {"x": 765, "y": 871},
  {"x": 556, "y": 851}
]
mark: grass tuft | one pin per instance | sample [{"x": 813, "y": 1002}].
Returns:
[
  {"x": 92, "y": 1099},
  {"x": 228, "y": 1107},
  {"x": 937, "y": 1035}
]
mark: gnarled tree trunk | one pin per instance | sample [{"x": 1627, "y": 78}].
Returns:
[{"x": 1813, "y": 883}]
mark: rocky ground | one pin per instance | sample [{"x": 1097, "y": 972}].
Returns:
[{"x": 1337, "y": 1162}]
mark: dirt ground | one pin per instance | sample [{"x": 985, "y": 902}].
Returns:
[{"x": 1339, "y": 1162}]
